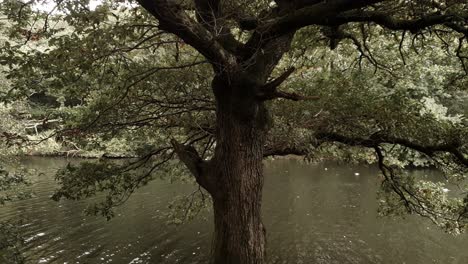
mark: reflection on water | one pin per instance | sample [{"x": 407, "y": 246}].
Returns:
[{"x": 313, "y": 213}]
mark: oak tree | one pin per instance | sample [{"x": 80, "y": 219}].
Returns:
[{"x": 205, "y": 81}]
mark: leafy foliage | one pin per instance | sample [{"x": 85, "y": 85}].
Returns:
[{"x": 10, "y": 242}]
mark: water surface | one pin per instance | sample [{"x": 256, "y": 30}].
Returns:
[{"x": 322, "y": 213}]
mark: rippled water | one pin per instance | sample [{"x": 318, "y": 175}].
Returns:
[{"x": 313, "y": 213}]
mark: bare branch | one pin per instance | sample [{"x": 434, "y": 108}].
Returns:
[
  {"x": 208, "y": 11},
  {"x": 461, "y": 57}
]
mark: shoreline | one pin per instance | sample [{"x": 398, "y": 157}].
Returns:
[{"x": 79, "y": 155}]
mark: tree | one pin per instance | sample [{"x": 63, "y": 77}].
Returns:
[
  {"x": 13, "y": 185},
  {"x": 119, "y": 56}
]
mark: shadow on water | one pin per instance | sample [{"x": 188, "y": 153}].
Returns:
[{"x": 323, "y": 213}]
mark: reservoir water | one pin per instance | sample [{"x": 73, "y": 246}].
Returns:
[{"x": 314, "y": 213}]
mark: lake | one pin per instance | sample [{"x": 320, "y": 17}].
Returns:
[{"x": 314, "y": 213}]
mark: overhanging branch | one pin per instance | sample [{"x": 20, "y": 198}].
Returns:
[
  {"x": 390, "y": 22},
  {"x": 416, "y": 200},
  {"x": 339, "y": 12},
  {"x": 315, "y": 14},
  {"x": 375, "y": 140}
]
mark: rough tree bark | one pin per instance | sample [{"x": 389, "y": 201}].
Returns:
[
  {"x": 234, "y": 176},
  {"x": 242, "y": 122}
]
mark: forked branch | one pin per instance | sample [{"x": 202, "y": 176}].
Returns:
[
  {"x": 194, "y": 163},
  {"x": 173, "y": 18},
  {"x": 270, "y": 90}
]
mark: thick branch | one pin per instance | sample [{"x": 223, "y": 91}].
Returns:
[
  {"x": 251, "y": 23},
  {"x": 270, "y": 90},
  {"x": 273, "y": 85},
  {"x": 195, "y": 164},
  {"x": 174, "y": 19},
  {"x": 385, "y": 20},
  {"x": 334, "y": 13},
  {"x": 374, "y": 141},
  {"x": 317, "y": 14},
  {"x": 459, "y": 28},
  {"x": 209, "y": 14}
]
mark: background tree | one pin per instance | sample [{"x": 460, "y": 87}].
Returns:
[
  {"x": 203, "y": 73},
  {"x": 13, "y": 183}
]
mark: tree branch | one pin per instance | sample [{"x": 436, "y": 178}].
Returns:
[
  {"x": 273, "y": 85},
  {"x": 415, "y": 199},
  {"x": 195, "y": 164},
  {"x": 209, "y": 14},
  {"x": 174, "y": 19},
  {"x": 338, "y": 12},
  {"x": 316, "y": 14},
  {"x": 377, "y": 139},
  {"x": 270, "y": 90},
  {"x": 208, "y": 11},
  {"x": 385, "y": 20}
]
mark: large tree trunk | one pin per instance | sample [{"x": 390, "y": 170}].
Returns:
[{"x": 239, "y": 236}]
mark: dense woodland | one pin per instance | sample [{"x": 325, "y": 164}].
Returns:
[{"x": 206, "y": 90}]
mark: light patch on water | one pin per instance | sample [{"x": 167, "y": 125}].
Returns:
[
  {"x": 45, "y": 260},
  {"x": 84, "y": 254},
  {"x": 136, "y": 260},
  {"x": 34, "y": 237}
]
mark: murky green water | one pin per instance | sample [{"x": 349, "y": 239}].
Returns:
[{"x": 313, "y": 213}]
